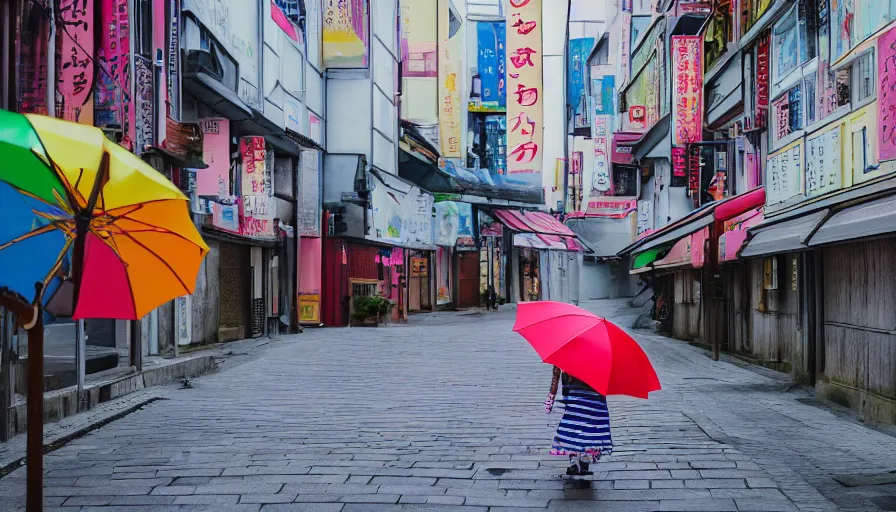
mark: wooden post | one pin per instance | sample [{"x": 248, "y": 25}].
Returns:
[
  {"x": 32, "y": 318},
  {"x": 35, "y": 444}
]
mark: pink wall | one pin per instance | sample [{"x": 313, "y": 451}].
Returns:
[
  {"x": 309, "y": 266},
  {"x": 114, "y": 104}
]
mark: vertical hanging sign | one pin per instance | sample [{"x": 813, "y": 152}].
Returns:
[
  {"x": 886, "y": 95},
  {"x": 687, "y": 62},
  {"x": 449, "y": 83},
  {"x": 75, "y": 65},
  {"x": 524, "y": 92},
  {"x": 760, "y": 117}
]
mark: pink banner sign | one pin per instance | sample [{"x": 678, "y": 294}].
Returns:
[
  {"x": 76, "y": 72},
  {"x": 214, "y": 181},
  {"x": 687, "y": 71},
  {"x": 283, "y": 22},
  {"x": 886, "y": 95}
]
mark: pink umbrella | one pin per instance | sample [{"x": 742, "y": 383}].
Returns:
[{"x": 588, "y": 347}]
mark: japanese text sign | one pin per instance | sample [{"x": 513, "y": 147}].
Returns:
[
  {"x": 823, "y": 164},
  {"x": 783, "y": 175},
  {"x": 886, "y": 95},
  {"x": 257, "y": 189},
  {"x": 687, "y": 88},
  {"x": 524, "y": 91}
]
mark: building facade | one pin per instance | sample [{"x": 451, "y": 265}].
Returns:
[{"x": 758, "y": 136}]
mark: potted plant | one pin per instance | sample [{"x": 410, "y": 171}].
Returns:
[{"x": 370, "y": 311}]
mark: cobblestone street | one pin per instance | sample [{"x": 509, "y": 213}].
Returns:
[{"x": 446, "y": 414}]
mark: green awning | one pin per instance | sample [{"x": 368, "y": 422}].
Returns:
[{"x": 642, "y": 259}]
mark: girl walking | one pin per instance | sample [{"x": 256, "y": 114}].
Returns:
[{"x": 584, "y": 431}]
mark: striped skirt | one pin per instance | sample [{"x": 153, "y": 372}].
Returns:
[{"x": 585, "y": 426}]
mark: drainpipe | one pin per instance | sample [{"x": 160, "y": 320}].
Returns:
[{"x": 566, "y": 108}]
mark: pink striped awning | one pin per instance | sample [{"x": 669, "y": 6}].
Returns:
[{"x": 533, "y": 222}]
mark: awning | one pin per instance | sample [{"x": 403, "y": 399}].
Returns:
[
  {"x": 547, "y": 242},
  {"x": 679, "y": 256},
  {"x": 644, "y": 259},
  {"x": 721, "y": 211},
  {"x": 780, "y": 237},
  {"x": 643, "y": 146},
  {"x": 621, "y": 153},
  {"x": 532, "y": 222},
  {"x": 431, "y": 177},
  {"x": 874, "y": 218},
  {"x": 877, "y": 188},
  {"x": 208, "y": 90}
]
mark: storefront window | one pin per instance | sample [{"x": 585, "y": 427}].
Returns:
[
  {"x": 811, "y": 103},
  {"x": 874, "y": 15},
  {"x": 788, "y": 116},
  {"x": 786, "y": 45},
  {"x": 864, "y": 74}
]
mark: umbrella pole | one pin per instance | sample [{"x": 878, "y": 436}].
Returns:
[{"x": 35, "y": 421}]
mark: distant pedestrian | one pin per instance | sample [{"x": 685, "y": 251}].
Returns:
[{"x": 584, "y": 431}]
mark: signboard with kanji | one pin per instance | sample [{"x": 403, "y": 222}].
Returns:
[{"x": 524, "y": 92}]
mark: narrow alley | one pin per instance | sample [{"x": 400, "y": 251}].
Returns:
[{"x": 446, "y": 414}]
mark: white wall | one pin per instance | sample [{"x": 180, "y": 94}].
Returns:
[
  {"x": 554, "y": 29},
  {"x": 361, "y": 112}
]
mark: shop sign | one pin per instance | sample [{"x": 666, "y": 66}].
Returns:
[
  {"x": 449, "y": 75},
  {"x": 225, "y": 215},
  {"x": 886, "y": 95},
  {"x": 694, "y": 166},
  {"x": 637, "y": 116},
  {"x": 309, "y": 309},
  {"x": 215, "y": 180},
  {"x": 465, "y": 226},
  {"x": 419, "y": 267},
  {"x": 612, "y": 207},
  {"x": 601, "y": 178},
  {"x": 783, "y": 175},
  {"x": 679, "y": 162},
  {"x": 823, "y": 164},
  {"x": 183, "y": 307},
  {"x": 525, "y": 102},
  {"x": 760, "y": 117},
  {"x": 257, "y": 190},
  {"x": 76, "y": 71},
  {"x": 144, "y": 123},
  {"x": 687, "y": 91}
]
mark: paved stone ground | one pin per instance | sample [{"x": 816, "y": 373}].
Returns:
[{"x": 446, "y": 414}]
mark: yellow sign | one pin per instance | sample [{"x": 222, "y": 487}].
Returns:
[
  {"x": 450, "y": 83},
  {"x": 309, "y": 309},
  {"x": 419, "y": 267},
  {"x": 525, "y": 94}
]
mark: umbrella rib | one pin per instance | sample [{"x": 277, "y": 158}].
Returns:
[
  {"x": 150, "y": 251},
  {"x": 58, "y": 264},
  {"x": 31, "y": 234},
  {"x": 152, "y": 226},
  {"x": 48, "y": 161}
]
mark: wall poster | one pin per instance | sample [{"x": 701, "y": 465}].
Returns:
[
  {"x": 524, "y": 90},
  {"x": 215, "y": 180}
]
